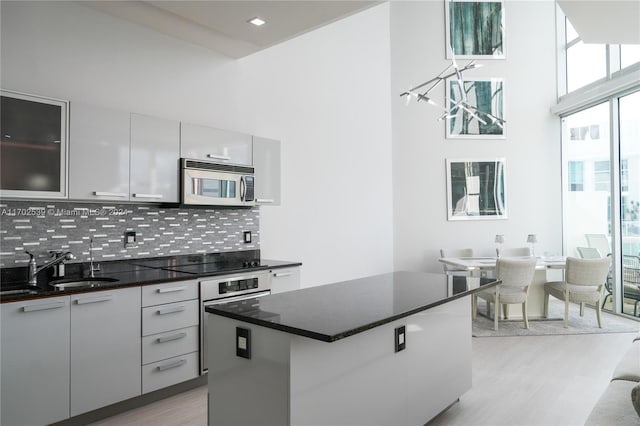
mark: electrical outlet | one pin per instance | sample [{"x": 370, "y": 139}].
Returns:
[
  {"x": 247, "y": 237},
  {"x": 400, "y": 338},
  {"x": 130, "y": 238},
  {"x": 243, "y": 342}
]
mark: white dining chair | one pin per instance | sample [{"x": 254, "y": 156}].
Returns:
[
  {"x": 584, "y": 279},
  {"x": 514, "y": 252},
  {"x": 516, "y": 276},
  {"x": 458, "y": 253}
]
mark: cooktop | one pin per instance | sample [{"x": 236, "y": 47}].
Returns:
[{"x": 205, "y": 263}]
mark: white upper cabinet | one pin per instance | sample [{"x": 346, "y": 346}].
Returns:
[
  {"x": 155, "y": 157},
  {"x": 33, "y": 147},
  {"x": 266, "y": 161},
  {"x": 120, "y": 156},
  {"x": 98, "y": 153},
  {"x": 211, "y": 144}
]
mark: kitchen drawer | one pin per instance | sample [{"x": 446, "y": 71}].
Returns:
[
  {"x": 169, "y": 292},
  {"x": 171, "y": 316},
  {"x": 169, "y": 372},
  {"x": 170, "y": 344}
]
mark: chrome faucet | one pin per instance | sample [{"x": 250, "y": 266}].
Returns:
[
  {"x": 34, "y": 270},
  {"x": 92, "y": 268}
]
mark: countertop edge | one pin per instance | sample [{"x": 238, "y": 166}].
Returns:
[
  {"x": 44, "y": 294},
  {"x": 346, "y": 333}
]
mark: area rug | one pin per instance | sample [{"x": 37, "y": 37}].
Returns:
[{"x": 588, "y": 324}]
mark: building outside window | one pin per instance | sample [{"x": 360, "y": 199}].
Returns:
[
  {"x": 601, "y": 177},
  {"x": 576, "y": 176}
]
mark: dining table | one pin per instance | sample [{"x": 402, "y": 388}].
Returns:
[{"x": 548, "y": 268}]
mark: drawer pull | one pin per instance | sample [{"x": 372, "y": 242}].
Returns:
[
  {"x": 282, "y": 274},
  {"x": 44, "y": 307},
  {"x": 172, "y": 337},
  {"x": 94, "y": 300},
  {"x": 170, "y": 289},
  {"x": 171, "y": 310},
  {"x": 174, "y": 364},
  {"x": 138, "y": 195},
  {"x": 265, "y": 200},
  {"x": 109, "y": 194}
]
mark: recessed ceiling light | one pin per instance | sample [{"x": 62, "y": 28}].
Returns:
[{"x": 257, "y": 21}]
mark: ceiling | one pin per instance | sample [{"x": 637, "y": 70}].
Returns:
[
  {"x": 604, "y": 21},
  {"x": 222, "y": 25}
]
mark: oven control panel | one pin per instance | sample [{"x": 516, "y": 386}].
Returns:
[{"x": 232, "y": 286}]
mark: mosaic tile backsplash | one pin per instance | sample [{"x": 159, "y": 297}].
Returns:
[{"x": 40, "y": 226}]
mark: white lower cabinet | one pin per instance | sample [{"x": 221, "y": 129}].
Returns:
[
  {"x": 170, "y": 334},
  {"x": 166, "y": 345},
  {"x": 105, "y": 348},
  {"x": 65, "y": 356},
  {"x": 170, "y": 371},
  {"x": 34, "y": 369},
  {"x": 170, "y": 316},
  {"x": 284, "y": 279}
]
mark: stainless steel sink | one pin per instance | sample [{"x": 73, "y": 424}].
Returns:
[{"x": 81, "y": 283}]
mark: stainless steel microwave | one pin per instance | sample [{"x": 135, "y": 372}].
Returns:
[{"x": 206, "y": 183}]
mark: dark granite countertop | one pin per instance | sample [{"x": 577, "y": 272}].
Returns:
[
  {"x": 135, "y": 272},
  {"x": 335, "y": 311}
]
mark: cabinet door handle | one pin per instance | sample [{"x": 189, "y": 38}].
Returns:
[
  {"x": 219, "y": 157},
  {"x": 174, "y": 364},
  {"x": 94, "y": 300},
  {"x": 265, "y": 200},
  {"x": 172, "y": 337},
  {"x": 109, "y": 194},
  {"x": 171, "y": 310},
  {"x": 281, "y": 274},
  {"x": 137, "y": 195},
  {"x": 43, "y": 307},
  {"x": 170, "y": 289}
]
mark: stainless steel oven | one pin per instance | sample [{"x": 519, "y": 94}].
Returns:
[{"x": 225, "y": 289}]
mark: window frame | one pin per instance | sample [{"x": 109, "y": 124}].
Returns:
[{"x": 619, "y": 82}]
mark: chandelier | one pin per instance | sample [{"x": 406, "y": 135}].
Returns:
[{"x": 454, "y": 107}]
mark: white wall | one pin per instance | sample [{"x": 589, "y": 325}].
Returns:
[
  {"x": 71, "y": 51},
  {"x": 324, "y": 94},
  {"x": 531, "y": 149}
]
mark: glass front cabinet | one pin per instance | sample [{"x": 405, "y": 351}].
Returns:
[{"x": 33, "y": 147}]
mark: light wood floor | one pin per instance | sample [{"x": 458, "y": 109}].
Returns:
[{"x": 544, "y": 380}]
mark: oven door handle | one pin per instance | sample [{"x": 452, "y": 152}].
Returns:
[{"x": 237, "y": 298}]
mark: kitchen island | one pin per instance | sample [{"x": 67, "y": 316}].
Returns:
[{"x": 387, "y": 349}]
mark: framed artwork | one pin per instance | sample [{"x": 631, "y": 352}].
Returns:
[
  {"x": 475, "y": 29},
  {"x": 476, "y": 108},
  {"x": 476, "y": 189}
]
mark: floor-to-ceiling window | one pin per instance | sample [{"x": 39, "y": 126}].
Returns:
[
  {"x": 587, "y": 190},
  {"x": 629, "y": 112},
  {"x": 585, "y": 62},
  {"x": 600, "y": 113}
]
